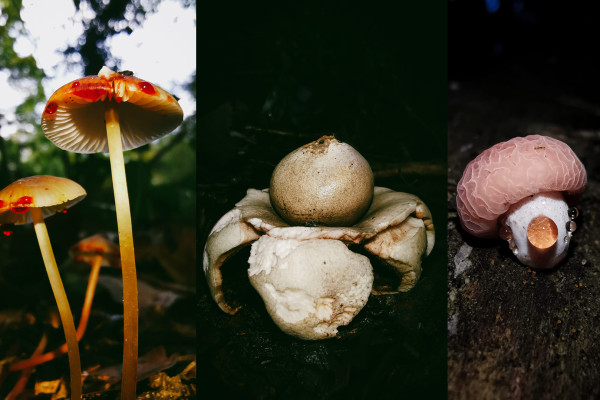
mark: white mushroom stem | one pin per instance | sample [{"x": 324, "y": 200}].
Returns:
[
  {"x": 61, "y": 300},
  {"x": 130, "y": 297},
  {"x": 549, "y": 245}
]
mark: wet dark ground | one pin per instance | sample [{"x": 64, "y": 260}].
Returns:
[
  {"x": 165, "y": 239},
  {"x": 167, "y": 336},
  {"x": 515, "y": 333}
]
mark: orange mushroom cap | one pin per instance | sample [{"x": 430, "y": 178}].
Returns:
[
  {"x": 49, "y": 193},
  {"x": 74, "y": 115},
  {"x": 86, "y": 249}
]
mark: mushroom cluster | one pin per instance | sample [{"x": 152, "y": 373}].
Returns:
[
  {"x": 112, "y": 112},
  {"x": 524, "y": 190},
  {"x": 321, "y": 199},
  {"x": 109, "y": 112}
]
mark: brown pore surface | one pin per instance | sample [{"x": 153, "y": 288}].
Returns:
[{"x": 542, "y": 232}]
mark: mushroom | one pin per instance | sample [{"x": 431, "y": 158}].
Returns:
[
  {"x": 114, "y": 112},
  {"x": 31, "y": 200},
  {"x": 310, "y": 287},
  {"x": 524, "y": 190},
  {"x": 97, "y": 251},
  {"x": 326, "y": 182},
  {"x": 310, "y": 281}
]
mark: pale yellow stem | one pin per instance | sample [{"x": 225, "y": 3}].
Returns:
[
  {"x": 61, "y": 300},
  {"x": 130, "y": 297}
]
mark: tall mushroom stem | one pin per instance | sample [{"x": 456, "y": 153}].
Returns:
[
  {"x": 130, "y": 297},
  {"x": 61, "y": 300},
  {"x": 83, "y": 319}
]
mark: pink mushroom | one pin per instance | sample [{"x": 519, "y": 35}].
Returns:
[{"x": 524, "y": 190}]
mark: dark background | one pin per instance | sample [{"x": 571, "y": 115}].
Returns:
[
  {"x": 275, "y": 78},
  {"x": 529, "y": 67}
]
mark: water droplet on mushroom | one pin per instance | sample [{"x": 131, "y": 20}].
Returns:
[
  {"x": 573, "y": 212},
  {"x": 571, "y": 226},
  {"x": 505, "y": 233}
]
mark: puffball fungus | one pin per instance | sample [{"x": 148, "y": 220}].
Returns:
[
  {"x": 325, "y": 182},
  {"x": 310, "y": 281},
  {"x": 524, "y": 190}
]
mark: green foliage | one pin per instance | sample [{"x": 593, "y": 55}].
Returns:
[
  {"x": 11, "y": 27},
  {"x": 21, "y": 69},
  {"x": 111, "y": 18},
  {"x": 162, "y": 178}
]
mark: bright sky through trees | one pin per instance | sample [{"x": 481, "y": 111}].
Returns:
[{"x": 162, "y": 51}]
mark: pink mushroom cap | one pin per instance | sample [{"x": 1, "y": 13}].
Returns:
[{"x": 510, "y": 171}]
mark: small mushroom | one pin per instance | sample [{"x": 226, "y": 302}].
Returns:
[
  {"x": 31, "y": 200},
  {"x": 310, "y": 281},
  {"x": 114, "y": 112},
  {"x": 97, "y": 251},
  {"x": 524, "y": 190}
]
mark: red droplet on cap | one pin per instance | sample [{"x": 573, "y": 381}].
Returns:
[
  {"x": 147, "y": 87},
  {"x": 21, "y": 205},
  {"x": 93, "y": 91},
  {"x": 51, "y": 108}
]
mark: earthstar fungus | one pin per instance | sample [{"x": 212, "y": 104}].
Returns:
[
  {"x": 114, "y": 112},
  {"x": 310, "y": 281},
  {"x": 32, "y": 199},
  {"x": 524, "y": 190}
]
